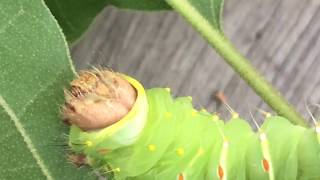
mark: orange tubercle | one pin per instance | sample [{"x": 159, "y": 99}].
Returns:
[
  {"x": 220, "y": 172},
  {"x": 181, "y": 177},
  {"x": 265, "y": 165}
]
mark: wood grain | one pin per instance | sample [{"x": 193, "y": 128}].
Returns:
[{"x": 280, "y": 37}]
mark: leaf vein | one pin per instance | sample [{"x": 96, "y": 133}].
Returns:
[
  {"x": 25, "y": 137},
  {"x": 32, "y": 99},
  {"x": 10, "y": 22}
]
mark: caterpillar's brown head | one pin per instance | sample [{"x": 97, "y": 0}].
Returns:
[{"x": 98, "y": 99}]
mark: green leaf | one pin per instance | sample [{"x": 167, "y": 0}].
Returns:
[
  {"x": 141, "y": 4},
  {"x": 209, "y": 10},
  {"x": 74, "y": 16},
  {"x": 34, "y": 68}
]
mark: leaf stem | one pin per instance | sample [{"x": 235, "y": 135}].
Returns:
[{"x": 237, "y": 61}]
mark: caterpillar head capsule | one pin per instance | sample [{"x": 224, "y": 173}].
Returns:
[{"x": 98, "y": 99}]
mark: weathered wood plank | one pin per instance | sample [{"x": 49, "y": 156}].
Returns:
[{"x": 280, "y": 37}]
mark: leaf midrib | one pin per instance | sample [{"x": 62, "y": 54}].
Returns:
[
  {"x": 15, "y": 117},
  {"x": 26, "y": 138}
]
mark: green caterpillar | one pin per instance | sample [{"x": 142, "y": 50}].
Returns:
[{"x": 165, "y": 138}]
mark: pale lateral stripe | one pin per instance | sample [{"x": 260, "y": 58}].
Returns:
[
  {"x": 266, "y": 154},
  {"x": 26, "y": 138}
]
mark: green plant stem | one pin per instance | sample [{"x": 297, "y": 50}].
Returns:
[{"x": 237, "y": 61}]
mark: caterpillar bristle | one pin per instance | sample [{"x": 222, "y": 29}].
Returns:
[
  {"x": 254, "y": 121},
  {"x": 109, "y": 171},
  {"x": 264, "y": 144},
  {"x": 315, "y": 122},
  {"x": 59, "y": 143},
  {"x": 222, "y": 98},
  {"x": 65, "y": 136},
  {"x": 261, "y": 111},
  {"x": 78, "y": 144}
]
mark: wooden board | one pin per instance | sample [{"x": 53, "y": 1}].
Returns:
[{"x": 280, "y": 37}]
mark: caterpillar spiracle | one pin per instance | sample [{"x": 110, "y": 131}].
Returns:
[{"x": 164, "y": 138}]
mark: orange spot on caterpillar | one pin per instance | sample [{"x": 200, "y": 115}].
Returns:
[
  {"x": 180, "y": 177},
  {"x": 103, "y": 151},
  {"x": 78, "y": 159},
  {"x": 220, "y": 172},
  {"x": 265, "y": 165}
]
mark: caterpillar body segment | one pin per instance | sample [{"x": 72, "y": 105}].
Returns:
[{"x": 176, "y": 141}]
